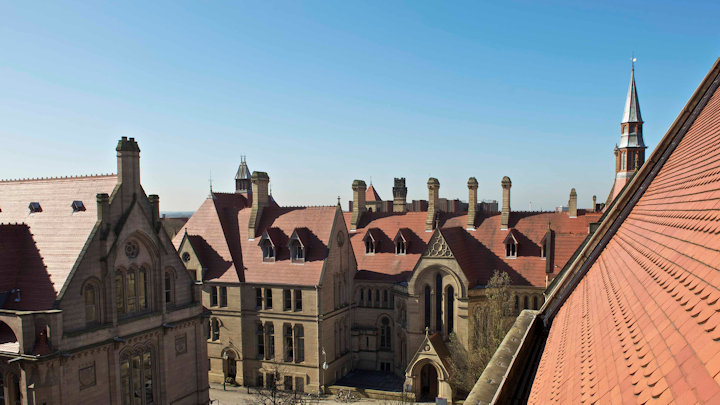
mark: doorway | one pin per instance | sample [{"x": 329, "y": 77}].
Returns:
[{"x": 428, "y": 382}]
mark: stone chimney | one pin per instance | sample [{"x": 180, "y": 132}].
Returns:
[
  {"x": 128, "y": 163},
  {"x": 594, "y": 206},
  {"x": 260, "y": 200},
  {"x": 359, "y": 188},
  {"x": 433, "y": 191},
  {"x": 399, "y": 195},
  {"x": 472, "y": 202},
  {"x": 505, "y": 217},
  {"x": 572, "y": 204}
]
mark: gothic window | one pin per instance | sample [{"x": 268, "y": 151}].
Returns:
[
  {"x": 288, "y": 342},
  {"x": 526, "y": 303},
  {"x": 400, "y": 247},
  {"x": 260, "y": 334},
  {"x": 298, "y": 300},
  {"x": 428, "y": 306},
  {"x": 223, "y": 296},
  {"x": 362, "y": 297},
  {"x": 535, "y": 302},
  {"x": 131, "y": 292},
  {"x": 213, "y": 296},
  {"x": 438, "y": 301},
  {"x": 215, "y": 329},
  {"x": 385, "y": 299},
  {"x": 287, "y": 300},
  {"x": 142, "y": 288},
  {"x": 377, "y": 298},
  {"x": 92, "y": 313},
  {"x": 450, "y": 300},
  {"x": 168, "y": 284},
  {"x": 511, "y": 244},
  {"x": 136, "y": 376},
  {"x": 299, "y": 343},
  {"x": 401, "y": 242},
  {"x": 517, "y": 303},
  {"x": 268, "y": 298},
  {"x": 369, "y": 247},
  {"x": 270, "y": 337},
  {"x": 258, "y": 298},
  {"x": 385, "y": 334},
  {"x": 297, "y": 251}
]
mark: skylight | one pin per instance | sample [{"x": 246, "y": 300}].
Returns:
[
  {"x": 35, "y": 207},
  {"x": 78, "y": 205}
]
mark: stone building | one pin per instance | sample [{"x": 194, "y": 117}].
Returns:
[
  {"x": 277, "y": 282},
  {"x": 291, "y": 288},
  {"x": 421, "y": 276},
  {"x": 95, "y": 304}
]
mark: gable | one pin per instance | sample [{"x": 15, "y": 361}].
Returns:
[{"x": 437, "y": 247}]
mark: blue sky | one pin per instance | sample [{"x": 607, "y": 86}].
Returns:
[{"x": 320, "y": 93}]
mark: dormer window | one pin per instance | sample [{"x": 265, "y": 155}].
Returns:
[
  {"x": 511, "y": 245},
  {"x": 370, "y": 242},
  {"x": 35, "y": 207},
  {"x": 297, "y": 247},
  {"x": 401, "y": 241},
  {"x": 78, "y": 205},
  {"x": 268, "y": 247}
]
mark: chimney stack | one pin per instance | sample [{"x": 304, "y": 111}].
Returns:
[
  {"x": 260, "y": 200},
  {"x": 505, "y": 217},
  {"x": 399, "y": 195},
  {"x": 433, "y": 190},
  {"x": 594, "y": 207},
  {"x": 359, "y": 188},
  {"x": 572, "y": 204},
  {"x": 472, "y": 202},
  {"x": 103, "y": 213},
  {"x": 128, "y": 162}
]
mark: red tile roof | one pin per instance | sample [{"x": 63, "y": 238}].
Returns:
[
  {"x": 643, "y": 324},
  {"x": 371, "y": 194},
  {"x": 478, "y": 252},
  {"x": 218, "y": 232},
  {"x": 42, "y": 252}
]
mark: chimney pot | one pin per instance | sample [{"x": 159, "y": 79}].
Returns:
[
  {"x": 358, "y": 206},
  {"x": 433, "y": 196},
  {"x": 572, "y": 204},
  {"x": 472, "y": 202},
  {"x": 505, "y": 216}
]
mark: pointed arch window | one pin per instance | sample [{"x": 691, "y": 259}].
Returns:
[
  {"x": 428, "y": 306},
  {"x": 401, "y": 241},
  {"x": 370, "y": 240},
  {"x": 268, "y": 244},
  {"x": 298, "y": 245},
  {"x": 136, "y": 376},
  {"x": 385, "y": 334},
  {"x": 92, "y": 310}
]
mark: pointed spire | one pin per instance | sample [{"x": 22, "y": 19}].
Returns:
[{"x": 632, "y": 104}]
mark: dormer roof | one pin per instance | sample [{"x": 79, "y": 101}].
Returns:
[{"x": 512, "y": 237}]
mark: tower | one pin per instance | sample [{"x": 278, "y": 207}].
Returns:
[
  {"x": 242, "y": 178},
  {"x": 399, "y": 195},
  {"x": 630, "y": 153}
]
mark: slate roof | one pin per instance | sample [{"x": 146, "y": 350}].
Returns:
[
  {"x": 478, "y": 252},
  {"x": 218, "y": 232},
  {"x": 38, "y": 255},
  {"x": 643, "y": 323}
]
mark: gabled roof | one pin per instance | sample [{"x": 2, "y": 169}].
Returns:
[
  {"x": 54, "y": 238},
  {"x": 633, "y": 319},
  {"x": 511, "y": 237},
  {"x": 371, "y": 194},
  {"x": 402, "y": 234},
  {"x": 222, "y": 222}
]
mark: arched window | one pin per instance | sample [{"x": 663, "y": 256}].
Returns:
[
  {"x": 136, "y": 376},
  {"x": 268, "y": 251},
  {"x": 92, "y": 313},
  {"x": 299, "y": 343},
  {"x": 385, "y": 299},
  {"x": 400, "y": 247},
  {"x": 369, "y": 246},
  {"x": 288, "y": 342},
  {"x": 215, "y": 329},
  {"x": 535, "y": 302},
  {"x": 450, "y": 299},
  {"x": 385, "y": 334},
  {"x": 428, "y": 306},
  {"x": 362, "y": 297},
  {"x": 526, "y": 303},
  {"x": 438, "y": 302},
  {"x": 270, "y": 336},
  {"x": 142, "y": 288},
  {"x": 260, "y": 334},
  {"x": 213, "y": 296},
  {"x": 120, "y": 292}
]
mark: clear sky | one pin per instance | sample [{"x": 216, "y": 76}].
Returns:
[{"x": 320, "y": 93}]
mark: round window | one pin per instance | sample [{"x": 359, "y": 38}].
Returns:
[
  {"x": 186, "y": 257},
  {"x": 131, "y": 249}
]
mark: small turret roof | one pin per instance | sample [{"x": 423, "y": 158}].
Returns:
[
  {"x": 632, "y": 104},
  {"x": 243, "y": 171}
]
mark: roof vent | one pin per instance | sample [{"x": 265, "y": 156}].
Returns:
[
  {"x": 35, "y": 207},
  {"x": 78, "y": 205}
]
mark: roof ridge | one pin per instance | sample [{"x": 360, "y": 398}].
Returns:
[{"x": 81, "y": 176}]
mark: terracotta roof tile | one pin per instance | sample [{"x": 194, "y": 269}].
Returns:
[
  {"x": 222, "y": 223},
  {"x": 371, "y": 194},
  {"x": 478, "y": 252},
  {"x": 51, "y": 239},
  {"x": 652, "y": 294}
]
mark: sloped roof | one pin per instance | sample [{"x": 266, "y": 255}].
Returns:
[
  {"x": 478, "y": 252},
  {"x": 51, "y": 240},
  {"x": 642, "y": 323},
  {"x": 222, "y": 224},
  {"x": 371, "y": 194}
]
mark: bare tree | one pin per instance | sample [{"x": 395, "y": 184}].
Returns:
[
  {"x": 274, "y": 392},
  {"x": 488, "y": 327}
]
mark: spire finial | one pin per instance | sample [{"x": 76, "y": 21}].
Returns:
[
  {"x": 633, "y": 59},
  {"x": 338, "y": 200}
]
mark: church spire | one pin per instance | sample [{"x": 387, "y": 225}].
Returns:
[
  {"x": 242, "y": 178},
  {"x": 632, "y": 105}
]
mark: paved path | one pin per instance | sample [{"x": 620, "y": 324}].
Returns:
[{"x": 239, "y": 396}]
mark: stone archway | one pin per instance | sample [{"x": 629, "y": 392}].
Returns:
[{"x": 428, "y": 382}]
